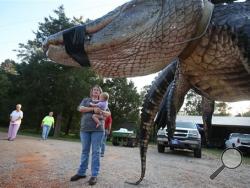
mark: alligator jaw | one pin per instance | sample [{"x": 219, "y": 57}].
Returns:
[{"x": 58, "y": 52}]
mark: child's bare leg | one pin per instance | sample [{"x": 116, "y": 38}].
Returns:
[{"x": 96, "y": 119}]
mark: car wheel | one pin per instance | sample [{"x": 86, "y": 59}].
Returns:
[
  {"x": 115, "y": 142},
  {"x": 197, "y": 153},
  {"x": 131, "y": 142},
  {"x": 161, "y": 148}
]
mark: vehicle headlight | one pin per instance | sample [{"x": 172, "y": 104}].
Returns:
[
  {"x": 194, "y": 133},
  {"x": 161, "y": 132}
]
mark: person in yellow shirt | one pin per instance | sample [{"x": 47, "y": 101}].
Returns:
[{"x": 47, "y": 123}]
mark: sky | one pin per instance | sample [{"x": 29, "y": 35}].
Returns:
[{"x": 19, "y": 18}]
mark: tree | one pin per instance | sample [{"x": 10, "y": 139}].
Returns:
[
  {"x": 193, "y": 104},
  {"x": 5, "y": 86},
  {"x": 246, "y": 114},
  {"x": 8, "y": 66},
  {"x": 124, "y": 100},
  {"x": 221, "y": 109},
  {"x": 7, "y": 72},
  {"x": 43, "y": 86},
  {"x": 144, "y": 91}
]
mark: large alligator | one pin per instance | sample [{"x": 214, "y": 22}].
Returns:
[{"x": 142, "y": 37}]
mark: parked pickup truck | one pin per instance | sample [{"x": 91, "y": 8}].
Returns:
[
  {"x": 240, "y": 141},
  {"x": 124, "y": 137},
  {"x": 186, "y": 136}
]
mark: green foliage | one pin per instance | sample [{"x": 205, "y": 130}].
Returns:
[
  {"x": 8, "y": 67},
  {"x": 143, "y": 92},
  {"x": 41, "y": 86},
  {"x": 221, "y": 109},
  {"x": 124, "y": 100},
  {"x": 5, "y": 86},
  {"x": 246, "y": 114},
  {"x": 193, "y": 104}
]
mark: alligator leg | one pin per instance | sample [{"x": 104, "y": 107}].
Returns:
[
  {"x": 207, "y": 113},
  {"x": 150, "y": 107},
  {"x": 162, "y": 118},
  {"x": 172, "y": 103},
  {"x": 167, "y": 116}
]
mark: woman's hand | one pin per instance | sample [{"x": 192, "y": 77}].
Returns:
[
  {"x": 84, "y": 109},
  {"x": 80, "y": 108},
  {"x": 97, "y": 110},
  {"x": 106, "y": 113},
  {"x": 102, "y": 112}
]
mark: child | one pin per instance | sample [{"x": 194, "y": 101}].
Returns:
[{"x": 102, "y": 104}]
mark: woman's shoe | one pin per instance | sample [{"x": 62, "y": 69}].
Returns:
[
  {"x": 77, "y": 177},
  {"x": 92, "y": 180}
]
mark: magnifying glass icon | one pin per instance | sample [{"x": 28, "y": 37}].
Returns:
[{"x": 231, "y": 158}]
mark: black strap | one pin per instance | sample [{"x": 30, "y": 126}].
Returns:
[{"x": 74, "y": 44}]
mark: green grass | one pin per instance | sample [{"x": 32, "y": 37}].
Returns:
[
  {"x": 246, "y": 160},
  {"x": 217, "y": 153},
  {"x": 2, "y": 129},
  {"x": 26, "y": 132},
  {"x": 33, "y": 133},
  {"x": 212, "y": 151}
]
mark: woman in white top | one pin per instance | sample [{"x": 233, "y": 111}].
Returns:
[{"x": 15, "y": 122}]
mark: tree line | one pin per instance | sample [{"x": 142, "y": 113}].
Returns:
[
  {"x": 42, "y": 86},
  {"x": 192, "y": 106}
]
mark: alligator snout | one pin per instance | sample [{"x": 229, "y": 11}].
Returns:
[
  {"x": 56, "y": 39},
  {"x": 45, "y": 45}
]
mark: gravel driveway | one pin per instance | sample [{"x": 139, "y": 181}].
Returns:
[{"x": 31, "y": 163}]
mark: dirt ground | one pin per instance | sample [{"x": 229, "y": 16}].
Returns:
[{"x": 30, "y": 163}]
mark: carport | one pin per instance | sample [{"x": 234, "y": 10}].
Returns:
[{"x": 222, "y": 126}]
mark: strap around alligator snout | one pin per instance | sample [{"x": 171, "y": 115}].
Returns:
[
  {"x": 201, "y": 29},
  {"x": 73, "y": 39}
]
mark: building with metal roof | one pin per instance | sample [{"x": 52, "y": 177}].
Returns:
[
  {"x": 222, "y": 126},
  {"x": 218, "y": 120}
]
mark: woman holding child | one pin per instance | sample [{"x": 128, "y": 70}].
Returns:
[{"x": 91, "y": 135}]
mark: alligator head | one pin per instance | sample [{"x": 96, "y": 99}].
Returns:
[{"x": 138, "y": 38}]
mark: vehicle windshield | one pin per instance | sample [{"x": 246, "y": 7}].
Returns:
[
  {"x": 240, "y": 135},
  {"x": 186, "y": 125}
]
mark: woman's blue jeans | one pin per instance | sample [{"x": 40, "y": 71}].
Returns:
[{"x": 94, "y": 140}]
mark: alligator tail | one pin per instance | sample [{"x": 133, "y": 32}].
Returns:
[{"x": 151, "y": 105}]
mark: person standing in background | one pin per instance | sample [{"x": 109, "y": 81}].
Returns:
[
  {"x": 47, "y": 123},
  {"x": 107, "y": 125},
  {"x": 15, "y": 122}
]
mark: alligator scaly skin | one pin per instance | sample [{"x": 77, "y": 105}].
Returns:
[{"x": 151, "y": 105}]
